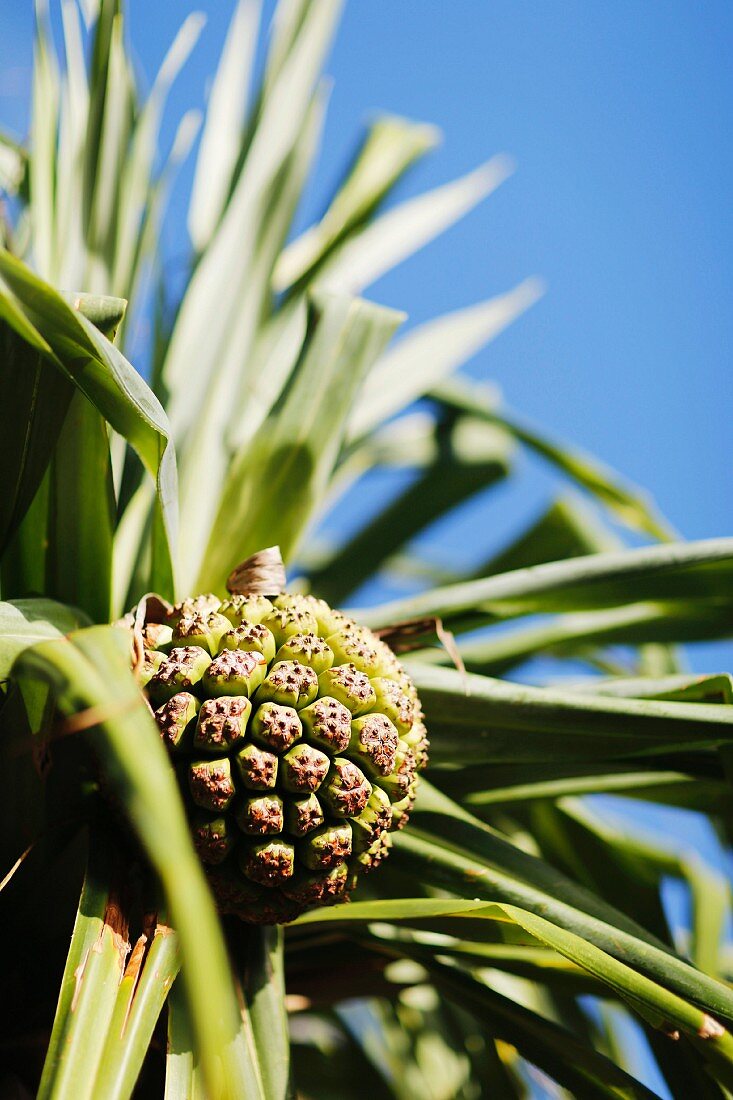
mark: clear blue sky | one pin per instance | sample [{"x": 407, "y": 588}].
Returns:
[{"x": 619, "y": 117}]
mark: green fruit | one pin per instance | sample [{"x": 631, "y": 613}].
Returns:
[
  {"x": 303, "y": 815},
  {"x": 257, "y": 768},
  {"x": 402, "y": 809},
  {"x": 289, "y": 683},
  {"x": 303, "y": 769},
  {"x": 249, "y": 636},
  {"x": 213, "y": 837},
  {"x": 347, "y": 685},
  {"x": 346, "y": 789},
  {"x": 416, "y": 739},
  {"x": 374, "y": 743},
  {"x": 204, "y": 630},
  {"x": 297, "y": 737},
  {"x": 397, "y": 783},
  {"x": 317, "y": 889},
  {"x": 391, "y": 700},
  {"x": 222, "y": 723},
  {"x": 326, "y": 847},
  {"x": 181, "y": 671},
  {"x": 285, "y": 622},
  {"x": 175, "y": 720},
  {"x": 157, "y": 636},
  {"x": 194, "y": 605},
  {"x": 261, "y": 815},
  {"x": 327, "y": 724},
  {"x": 211, "y": 784},
  {"x": 309, "y": 649},
  {"x": 234, "y": 672},
  {"x": 245, "y": 609},
  {"x": 270, "y": 863},
  {"x": 352, "y": 645},
  {"x": 375, "y": 819},
  {"x": 152, "y": 661},
  {"x": 276, "y": 727}
]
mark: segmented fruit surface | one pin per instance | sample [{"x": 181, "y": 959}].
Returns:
[{"x": 296, "y": 736}]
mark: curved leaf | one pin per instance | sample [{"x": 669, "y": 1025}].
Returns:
[
  {"x": 23, "y": 623},
  {"x": 699, "y": 570},
  {"x": 275, "y": 484},
  {"x": 627, "y": 503},
  {"x": 108, "y": 381},
  {"x": 433, "y": 350},
  {"x": 90, "y": 671}
]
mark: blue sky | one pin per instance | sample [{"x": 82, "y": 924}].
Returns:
[{"x": 618, "y": 118}]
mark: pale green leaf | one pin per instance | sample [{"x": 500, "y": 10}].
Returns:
[
  {"x": 390, "y": 147},
  {"x": 115, "y": 126},
  {"x": 257, "y": 360},
  {"x": 220, "y": 284},
  {"x": 408, "y": 226},
  {"x": 44, "y": 120},
  {"x": 275, "y": 485},
  {"x": 70, "y": 247},
  {"x": 224, "y": 126},
  {"x": 25, "y": 622},
  {"x": 428, "y": 353},
  {"x": 136, "y": 185},
  {"x": 466, "y": 459}
]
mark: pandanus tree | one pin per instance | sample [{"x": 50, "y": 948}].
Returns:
[{"x": 515, "y": 934}]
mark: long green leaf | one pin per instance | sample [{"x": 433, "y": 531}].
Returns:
[
  {"x": 106, "y": 14},
  {"x": 222, "y": 134},
  {"x": 140, "y": 999},
  {"x": 450, "y": 848},
  {"x": 88, "y": 929},
  {"x": 479, "y": 719},
  {"x": 209, "y": 364},
  {"x": 23, "y": 623},
  {"x": 432, "y": 351},
  {"x": 69, "y": 260},
  {"x": 493, "y": 785},
  {"x": 35, "y": 400},
  {"x": 627, "y": 503},
  {"x": 699, "y": 570},
  {"x": 180, "y": 1057},
  {"x": 274, "y": 486},
  {"x": 44, "y": 120},
  {"x": 410, "y": 225},
  {"x": 89, "y": 670},
  {"x": 425, "y": 856},
  {"x": 116, "y": 123},
  {"x": 390, "y": 147},
  {"x": 683, "y": 688},
  {"x": 468, "y": 458},
  {"x": 598, "y": 839},
  {"x": 564, "y": 635},
  {"x": 569, "y": 1061},
  {"x": 82, "y": 513},
  {"x": 219, "y": 285},
  {"x": 263, "y": 988},
  {"x": 566, "y": 529},
  {"x": 108, "y": 381},
  {"x": 136, "y": 184}
]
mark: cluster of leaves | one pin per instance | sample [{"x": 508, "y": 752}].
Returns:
[{"x": 515, "y": 929}]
